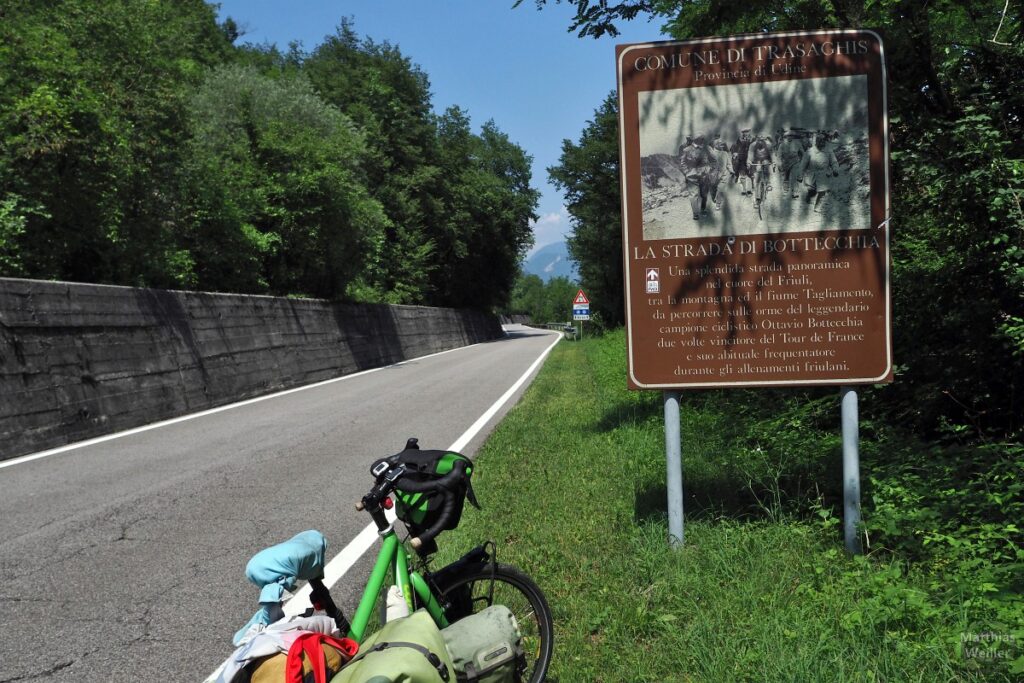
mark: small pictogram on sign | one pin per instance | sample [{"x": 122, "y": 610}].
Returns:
[{"x": 653, "y": 281}]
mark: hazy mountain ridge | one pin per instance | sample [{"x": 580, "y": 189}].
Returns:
[{"x": 551, "y": 261}]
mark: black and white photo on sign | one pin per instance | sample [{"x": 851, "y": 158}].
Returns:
[{"x": 751, "y": 158}]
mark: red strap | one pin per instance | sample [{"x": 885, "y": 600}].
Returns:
[{"x": 311, "y": 645}]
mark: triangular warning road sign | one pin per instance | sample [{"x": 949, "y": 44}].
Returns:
[{"x": 581, "y": 298}]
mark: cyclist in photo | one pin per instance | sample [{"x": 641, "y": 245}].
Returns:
[
  {"x": 721, "y": 163},
  {"x": 790, "y": 153},
  {"x": 759, "y": 161},
  {"x": 818, "y": 170},
  {"x": 740, "y": 170},
  {"x": 695, "y": 162}
]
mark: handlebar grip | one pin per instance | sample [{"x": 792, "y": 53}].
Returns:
[
  {"x": 446, "y": 482},
  {"x": 447, "y": 510}
]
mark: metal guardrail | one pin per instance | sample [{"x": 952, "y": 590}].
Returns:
[{"x": 568, "y": 329}]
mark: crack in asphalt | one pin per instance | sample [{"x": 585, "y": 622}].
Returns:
[
  {"x": 145, "y": 620},
  {"x": 16, "y": 598},
  {"x": 42, "y": 674}
]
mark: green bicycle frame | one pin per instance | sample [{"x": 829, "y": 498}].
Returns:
[{"x": 393, "y": 565}]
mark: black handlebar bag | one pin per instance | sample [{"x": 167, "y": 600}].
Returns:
[{"x": 420, "y": 511}]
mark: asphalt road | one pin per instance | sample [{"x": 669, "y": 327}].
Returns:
[{"x": 124, "y": 560}]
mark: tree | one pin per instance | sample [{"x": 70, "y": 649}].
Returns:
[
  {"x": 543, "y": 301},
  {"x": 91, "y": 119},
  {"x": 138, "y": 146},
  {"x": 278, "y": 200},
  {"x": 595, "y": 19},
  {"x": 488, "y": 205},
  {"x": 561, "y": 291},
  {"x": 528, "y": 298},
  {"x": 588, "y": 174},
  {"x": 459, "y": 204},
  {"x": 389, "y": 99}
]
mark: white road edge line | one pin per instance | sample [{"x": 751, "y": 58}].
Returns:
[
  {"x": 192, "y": 416},
  {"x": 339, "y": 565},
  {"x": 350, "y": 554}
]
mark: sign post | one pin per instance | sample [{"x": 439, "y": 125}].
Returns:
[
  {"x": 674, "y": 467},
  {"x": 581, "y": 309},
  {"x": 755, "y": 213},
  {"x": 851, "y": 470}
]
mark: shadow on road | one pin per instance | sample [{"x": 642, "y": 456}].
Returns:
[{"x": 525, "y": 332}]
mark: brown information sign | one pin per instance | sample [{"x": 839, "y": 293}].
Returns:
[{"x": 755, "y": 207}]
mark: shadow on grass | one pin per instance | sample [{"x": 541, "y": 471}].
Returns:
[
  {"x": 743, "y": 459},
  {"x": 703, "y": 499},
  {"x": 729, "y": 494},
  {"x": 627, "y": 414},
  {"x": 735, "y": 412}
]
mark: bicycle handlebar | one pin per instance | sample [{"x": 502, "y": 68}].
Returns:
[
  {"x": 447, "y": 510},
  {"x": 445, "y": 485},
  {"x": 446, "y": 482},
  {"x": 397, "y": 478}
]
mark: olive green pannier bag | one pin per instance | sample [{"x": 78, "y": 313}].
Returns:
[
  {"x": 486, "y": 647},
  {"x": 406, "y": 650}
]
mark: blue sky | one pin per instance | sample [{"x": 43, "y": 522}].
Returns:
[{"x": 520, "y": 67}]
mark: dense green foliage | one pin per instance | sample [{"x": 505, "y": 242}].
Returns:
[
  {"x": 139, "y": 146},
  {"x": 543, "y": 302},
  {"x": 389, "y": 98},
  {"x": 92, "y": 107},
  {"x": 762, "y": 590},
  {"x": 276, "y": 185},
  {"x": 488, "y": 206}
]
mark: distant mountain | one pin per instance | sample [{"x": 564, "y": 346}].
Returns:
[{"x": 551, "y": 261}]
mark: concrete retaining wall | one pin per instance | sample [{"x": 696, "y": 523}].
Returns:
[{"x": 78, "y": 361}]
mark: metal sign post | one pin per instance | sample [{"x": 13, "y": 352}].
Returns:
[
  {"x": 581, "y": 309},
  {"x": 674, "y": 461},
  {"x": 851, "y": 470}
]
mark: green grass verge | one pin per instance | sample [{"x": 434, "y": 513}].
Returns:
[{"x": 572, "y": 488}]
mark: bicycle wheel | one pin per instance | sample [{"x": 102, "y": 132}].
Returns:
[
  {"x": 475, "y": 589},
  {"x": 760, "y": 193}
]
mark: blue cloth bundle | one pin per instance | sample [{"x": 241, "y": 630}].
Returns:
[{"x": 278, "y": 568}]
